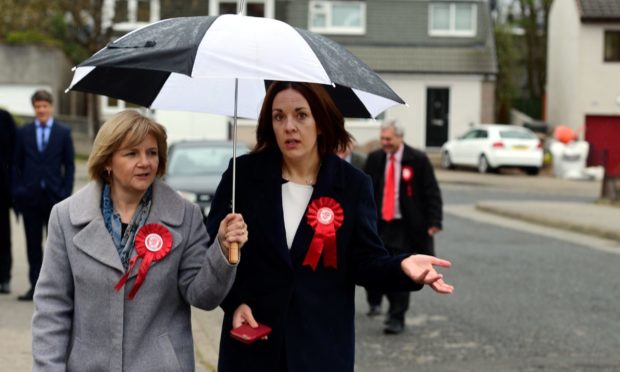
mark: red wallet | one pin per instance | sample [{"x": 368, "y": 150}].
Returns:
[{"x": 247, "y": 334}]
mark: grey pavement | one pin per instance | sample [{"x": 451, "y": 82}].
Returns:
[
  {"x": 586, "y": 218},
  {"x": 597, "y": 219}
]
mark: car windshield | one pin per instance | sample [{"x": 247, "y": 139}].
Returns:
[
  {"x": 516, "y": 134},
  {"x": 194, "y": 160}
]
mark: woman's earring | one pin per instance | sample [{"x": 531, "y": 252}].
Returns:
[{"x": 109, "y": 171}]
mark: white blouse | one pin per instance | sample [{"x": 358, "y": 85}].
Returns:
[{"x": 295, "y": 199}]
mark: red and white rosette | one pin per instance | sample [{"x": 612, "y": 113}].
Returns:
[
  {"x": 325, "y": 216},
  {"x": 153, "y": 242},
  {"x": 407, "y": 176}
]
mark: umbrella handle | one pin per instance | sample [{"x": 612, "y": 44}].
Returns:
[{"x": 233, "y": 253}]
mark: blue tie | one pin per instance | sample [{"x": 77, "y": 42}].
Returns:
[{"x": 43, "y": 141}]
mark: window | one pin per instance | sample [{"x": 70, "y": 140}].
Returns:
[
  {"x": 111, "y": 106},
  {"x": 337, "y": 17},
  {"x": 612, "y": 46},
  {"x": 471, "y": 134},
  {"x": 450, "y": 19},
  {"x": 131, "y": 14},
  {"x": 254, "y": 8},
  {"x": 516, "y": 134}
]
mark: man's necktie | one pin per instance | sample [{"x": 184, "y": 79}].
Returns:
[
  {"x": 387, "y": 210},
  {"x": 43, "y": 141}
]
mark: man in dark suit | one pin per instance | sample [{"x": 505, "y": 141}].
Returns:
[
  {"x": 352, "y": 157},
  {"x": 7, "y": 140},
  {"x": 409, "y": 209},
  {"x": 43, "y": 170}
]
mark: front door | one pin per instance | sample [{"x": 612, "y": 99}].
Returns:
[{"x": 437, "y": 116}]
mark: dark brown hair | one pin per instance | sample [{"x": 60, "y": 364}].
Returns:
[
  {"x": 42, "y": 95},
  {"x": 329, "y": 121}
]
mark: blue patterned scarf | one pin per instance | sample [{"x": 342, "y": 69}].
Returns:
[{"x": 124, "y": 244}]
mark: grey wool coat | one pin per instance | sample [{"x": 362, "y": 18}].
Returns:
[{"x": 81, "y": 323}]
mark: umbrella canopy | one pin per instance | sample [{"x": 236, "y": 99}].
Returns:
[{"x": 197, "y": 63}]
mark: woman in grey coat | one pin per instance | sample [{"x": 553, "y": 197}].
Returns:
[{"x": 125, "y": 258}]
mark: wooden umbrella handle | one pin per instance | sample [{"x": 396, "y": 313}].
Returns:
[{"x": 233, "y": 253}]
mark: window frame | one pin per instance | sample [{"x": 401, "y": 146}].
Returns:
[
  {"x": 616, "y": 58},
  {"x": 451, "y": 31},
  {"x": 269, "y": 6},
  {"x": 329, "y": 29},
  {"x": 132, "y": 22}
]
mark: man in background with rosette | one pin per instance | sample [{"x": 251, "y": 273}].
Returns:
[
  {"x": 409, "y": 211},
  {"x": 125, "y": 258}
]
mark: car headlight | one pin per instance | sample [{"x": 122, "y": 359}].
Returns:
[{"x": 189, "y": 196}]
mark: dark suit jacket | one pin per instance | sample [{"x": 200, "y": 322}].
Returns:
[
  {"x": 55, "y": 166},
  {"x": 311, "y": 312},
  {"x": 7, "y": 141},
  {"x": 358, "y": 160},
  {"x": 420, "y": 197}
]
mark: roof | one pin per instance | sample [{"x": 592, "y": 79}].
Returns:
[
  {"x": 397, "y": 39},
  {"x": 457, "y": 60},
  {"x": 599, "y": 10}
]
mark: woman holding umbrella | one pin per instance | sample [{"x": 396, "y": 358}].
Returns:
[
  {"x": 312, "y": 222},
  {"x": 96, "y": 309}
]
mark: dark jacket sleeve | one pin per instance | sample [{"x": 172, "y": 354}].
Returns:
[
  {"x": 373, "y": 267},
  {"x": 432, "y": 194},
  {"x": 17, "y": 168},
  {"x": 7, "y": 126}
]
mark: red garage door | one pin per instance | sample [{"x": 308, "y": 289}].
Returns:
[{"x": 603, "y": 134}]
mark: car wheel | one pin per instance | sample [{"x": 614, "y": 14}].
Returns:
[
  {"x": 532, "y": 171},
  {"x": 483, "y": 164},
  {"x": 446, "y": 162}
]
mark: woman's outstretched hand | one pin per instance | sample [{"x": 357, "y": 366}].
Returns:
[
  {"x": 232, "y": 230},
  {"x": 421, "y": 269}
]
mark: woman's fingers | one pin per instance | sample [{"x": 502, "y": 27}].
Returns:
[
  {"x": 420, "y": 269},
  {"x": 442, "y": 287},
  {"x": 242, "y": 315},
  {"x": 440, "y": 262},
  {"x": 233, "y": 229}
]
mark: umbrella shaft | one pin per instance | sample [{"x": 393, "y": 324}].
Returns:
[{"x": 234, "y": 159}]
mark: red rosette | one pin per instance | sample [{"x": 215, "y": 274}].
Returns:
[
  {"x": 153, "y": 242},
  {"x": 325, "y": 216},
  {"x": 407, "y": 175}
]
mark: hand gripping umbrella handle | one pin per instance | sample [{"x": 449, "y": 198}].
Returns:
[{"x": 233, "y": 253}]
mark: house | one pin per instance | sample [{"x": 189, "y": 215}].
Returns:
[
  {"x": 583, "y": 74},
  {"x": 439, "y": 56}
]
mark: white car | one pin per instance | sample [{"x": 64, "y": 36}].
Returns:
[{"x": 489, "y": 147}]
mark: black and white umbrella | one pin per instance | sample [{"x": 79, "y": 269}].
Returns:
[
  {"x": 222, "y": 65},
  {"x": 195, "y": 63}
]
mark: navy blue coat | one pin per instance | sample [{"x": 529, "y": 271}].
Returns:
[
  {"x": 55, "y": 165},
  {"x": 311, "y": 312}
]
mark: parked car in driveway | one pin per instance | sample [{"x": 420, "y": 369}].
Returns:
[
  {"x": 489, "y": 147},
  {"x": 195, "y": 168}
]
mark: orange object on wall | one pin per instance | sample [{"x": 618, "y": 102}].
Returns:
[{"x": 564, "y": 134}]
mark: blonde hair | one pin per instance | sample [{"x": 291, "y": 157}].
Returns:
[{"x": 126, "y": 125}]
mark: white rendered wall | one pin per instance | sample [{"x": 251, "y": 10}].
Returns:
[
  {"x": 563, "y": 64},
  {"x": 599, "y": 81},
  {"x": 465, "y": 103}
]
